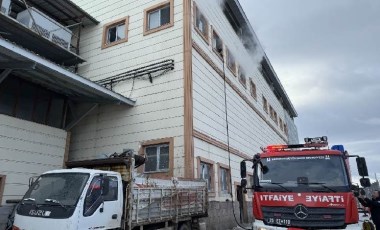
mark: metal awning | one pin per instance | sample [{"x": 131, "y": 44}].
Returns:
[
  {"x": 36, "y": 69},
  {"x": 64, "y": 11}
]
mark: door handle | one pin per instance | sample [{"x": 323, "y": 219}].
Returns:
[{"x": 114, "y": 216}]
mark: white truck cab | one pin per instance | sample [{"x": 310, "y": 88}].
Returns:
[{"x": 71, "y": 199}]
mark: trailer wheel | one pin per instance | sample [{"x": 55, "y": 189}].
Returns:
[{"x": 185, "y": 226}]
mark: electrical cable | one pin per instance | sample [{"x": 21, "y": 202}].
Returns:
[{"x": 228, "y": 146}]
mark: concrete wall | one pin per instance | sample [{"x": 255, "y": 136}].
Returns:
[
  {"x": 221, "y": 215},
  {"x": 27, "y": 149},
  {"x": 159, "y": 111}
]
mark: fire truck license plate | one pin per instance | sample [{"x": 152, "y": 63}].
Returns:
[{"x": 278, "y": 221}]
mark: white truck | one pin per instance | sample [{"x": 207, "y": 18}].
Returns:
[{"x": 105, "y": 194}]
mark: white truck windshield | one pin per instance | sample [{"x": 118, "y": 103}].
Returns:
[
  {"x": 312, "y": 171},
  {"x": 58, "y": 188}
]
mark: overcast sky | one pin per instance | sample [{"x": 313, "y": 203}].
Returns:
[{"x": 327, "y": 55}]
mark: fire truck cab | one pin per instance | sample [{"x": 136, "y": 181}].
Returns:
[{"x": 305, "y": 186}]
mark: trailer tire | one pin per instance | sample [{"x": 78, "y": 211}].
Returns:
[{"x": 185, "y": 226}]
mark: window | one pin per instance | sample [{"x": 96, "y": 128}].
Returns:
[
  {"x": 113, "y": 189},
  {"x": 231, "y": 63},
  {"x": 157, "y": 158},
  {"x": 2, "y": 186},
  {"x": 271, "y": 112},
  {"x": 217, "y": 45},
  {"x": 275, "y": 119},
  {"x": 286, "y": 129},
  {"x": 92, "y": 200},
  {"x": 253, "y": 90},
  {"x": 206, "y": 172},
  {"x": 159, "y": 17},
  {"x": 242, "y": 78},
  {"x": 224, "y": 179},
  {"x": 265, "y": 104},
  {"x": 281, "y": 124},
  {"x": 115, "y": 32},
  {"x": 201, "y": 24}
]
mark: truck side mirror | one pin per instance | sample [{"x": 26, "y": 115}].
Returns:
[
  {"x": 243, "y": 169},
  {"x": 365, "y": 182},
  {"x": 32, "y": 180},
  {"x": 105, "y": 185},
  {"x": 362, "y": 166}
]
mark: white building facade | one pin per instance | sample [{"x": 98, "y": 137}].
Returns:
[{"x": 179, "y": 120}]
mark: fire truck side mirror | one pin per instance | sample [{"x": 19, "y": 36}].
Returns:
[
  {"x": 362, "y": 166},
  {"x": 243, "y": 169},
  {"x": 365, "y": 182}
]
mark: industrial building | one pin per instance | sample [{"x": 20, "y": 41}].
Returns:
[{"x": 83, "y": 79}]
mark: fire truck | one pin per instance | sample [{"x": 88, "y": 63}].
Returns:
[{"x": 305, "y": 186}]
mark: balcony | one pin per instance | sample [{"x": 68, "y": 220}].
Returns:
[{"x": 49, "y": 28}]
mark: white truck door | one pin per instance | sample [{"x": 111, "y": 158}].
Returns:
[{"x": 102, "y": 212}]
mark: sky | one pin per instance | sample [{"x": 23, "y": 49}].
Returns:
[{"x": 327, "y": 56}]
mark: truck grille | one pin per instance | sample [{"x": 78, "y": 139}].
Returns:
[{"x": 317, "y": 217}]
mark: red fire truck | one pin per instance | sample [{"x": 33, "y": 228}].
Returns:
[{"x": 306, "y": 186}]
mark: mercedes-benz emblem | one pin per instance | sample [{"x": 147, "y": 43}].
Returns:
[{"x": 301, "y": 212}]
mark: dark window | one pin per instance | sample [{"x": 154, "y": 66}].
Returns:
[
  {"x": 242, "y": 78},
  {"x": 116, "y": 33},
  {"x": 281, "y": 124},
  {"x": 157, "y": 158},
  {"x": 253, "y": 89},
  {"x": 275, "y": 117},
  {"x": 265, "y": 104},
  {"x": 231, "y": 63},
  {"x": 217, "y": 44},
  {"x": 159, "y": 17}
]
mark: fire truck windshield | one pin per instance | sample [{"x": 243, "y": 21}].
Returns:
[{"x": 305, "y": 173}]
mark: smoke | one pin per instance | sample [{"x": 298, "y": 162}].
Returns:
[{"x": 249, "y": 42}]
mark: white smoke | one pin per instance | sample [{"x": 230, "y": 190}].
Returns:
[{"x": 255, "y": 51}]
